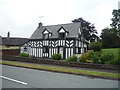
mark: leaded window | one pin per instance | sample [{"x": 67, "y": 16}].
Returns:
[
  {"x": 45, "y": 49},
  {"x": 61, "y": 35},
  {"x": 46, "y": 36}
]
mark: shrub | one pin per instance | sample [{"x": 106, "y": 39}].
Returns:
[
  {"x": 96, "y": 46},
  {"x": 56, "y": 56},
  {"x": 95, "y": 57},
  {"x": 106, "y": 57},
  {"x": 72, "y": 58},
  {"x": 89, "y": 61},
  {"x": 84, "y": 57},
  {"x": 24, "y": 55}
]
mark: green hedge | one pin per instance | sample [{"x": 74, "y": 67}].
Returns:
[
  {"x": 72, "y": 58},
  {"x": 24, "y": 55},
  {"x": 56, "y": 56},
  {"x": 84, "y": 57}
]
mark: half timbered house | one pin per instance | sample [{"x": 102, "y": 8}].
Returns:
[{"x": 64, "y": 39}]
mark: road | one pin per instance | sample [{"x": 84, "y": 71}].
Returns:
[{"x": 30, "y": 78}]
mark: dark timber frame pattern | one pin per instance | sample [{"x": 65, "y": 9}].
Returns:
[{"x": 35, "y": 47}]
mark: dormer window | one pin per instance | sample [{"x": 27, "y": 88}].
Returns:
[
  {"x": 46, "y": 34},
  {"x": 61, "y": 35},
  {"x": 62, "y": 32}
]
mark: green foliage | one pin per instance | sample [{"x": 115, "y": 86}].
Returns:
[
  {"x": 106, "y": 57},
  {"x": 84, "y": 57},
  {"x": 56, "y": 56},
  {"x": 114, "y": 61},
  {"x": 115, "y": 20},
  {"x": 24, "y": 55},
  {"x": 95, "y": 57},
  {"x": 5, "y": 47},
  {"x": 88, "y": 28},
  {"x": 72, "y": 58},
  {"x": 109, "y": 38},
  {"x": 96, "y": 46},
  {"x": 89, "y": 61}
]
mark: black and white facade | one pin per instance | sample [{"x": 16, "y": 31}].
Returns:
[{"x": 65, "y": 39}]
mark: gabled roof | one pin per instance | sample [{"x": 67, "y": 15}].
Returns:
[
  {"x": 10, "y": 41},
  {"x": 72, "y": 28}
]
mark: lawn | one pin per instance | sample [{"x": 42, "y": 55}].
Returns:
[
  {"x": 4, "y": 47},
  {"x": 115, "y": 51}
]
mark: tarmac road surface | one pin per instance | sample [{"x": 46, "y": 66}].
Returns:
[{"x": 17, "y": 77}]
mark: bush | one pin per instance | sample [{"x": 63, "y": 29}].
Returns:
[
  {"x": 84, "y": 57},
  {"x": 106, "y": 57},
  {"x": 72, "y": 58},
  {"x": 95, "y": 57},
  {"x": 89, "y": 61},
  {"x": 24, "y": 55},
  {"x": 56, "y": 56},
  {"x": 96, "y": 46}
]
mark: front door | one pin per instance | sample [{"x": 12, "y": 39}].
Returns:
[{"x": 61, "y": 51}]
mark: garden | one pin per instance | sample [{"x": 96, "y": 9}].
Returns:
[{"x": 96, "y": 55}]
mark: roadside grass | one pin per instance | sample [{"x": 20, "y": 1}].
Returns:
[
  {"x": 4, "y": 47},
  {"x": 65, "y": 70},
  {"x": 115, "y": 51}
]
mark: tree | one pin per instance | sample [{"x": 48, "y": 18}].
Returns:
[
  {"x": 96, "y": 46},
  {"x": 109, "y": 38},
  {"x": 88, "y": 29},
  {"x": 116, "y": 20}
]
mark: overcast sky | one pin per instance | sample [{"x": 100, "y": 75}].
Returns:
[{"x": 21, "y": 17}]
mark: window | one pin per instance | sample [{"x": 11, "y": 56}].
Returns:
[
  {"x": 79, "y": 50},
  {"x": 45, "y": 36},
  {"x": 61, "y": 35},
  {"x": 85, "y": 49},
  {"x": 45, "y": 49},
  {"x": 62, "y": 32}
]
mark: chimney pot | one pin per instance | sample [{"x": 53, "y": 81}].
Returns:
[
  {"x": 8, "y": 34},
  {"x": 39, "y": 25}
]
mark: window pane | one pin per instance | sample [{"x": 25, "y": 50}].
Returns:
[
  {"x": 45, "y": 36},
  {"x": 79, "y": 50},
  {"x": 62, "y": 35},
  {"x": 45, "y": 49}
]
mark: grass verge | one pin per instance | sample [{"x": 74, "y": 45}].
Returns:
[
  {"x": 97, "y": 74},
  {"x": 7, "y": 48}
]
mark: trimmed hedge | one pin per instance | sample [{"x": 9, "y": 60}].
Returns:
[
  {"x": 56, "y": 56},
  {"x": 24, "y": 55}
]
